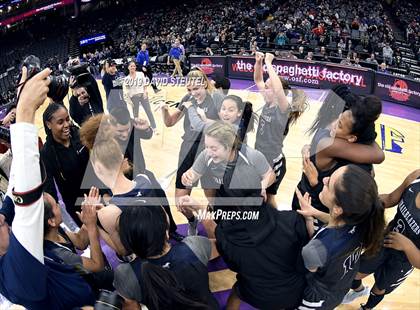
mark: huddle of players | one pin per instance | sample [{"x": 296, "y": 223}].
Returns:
[{"x": 344, "y": 200}]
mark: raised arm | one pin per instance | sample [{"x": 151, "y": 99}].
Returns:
[
  {"x": 355, "y": 152},
  {"x": 170, "y": 118},
  {"x": 258, "y": 72},
  {"x": 276, "y": 85},
  {"x": 28, "y": 226}
]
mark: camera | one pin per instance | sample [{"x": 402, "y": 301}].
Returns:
[
  {"x": 108, "y": 300},
  {"x": 59, "y": 85},
  {"x": 80, "y": 73}
]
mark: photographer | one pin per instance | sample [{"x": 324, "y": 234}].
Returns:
[
  {"x": 82, "y": 106},
  {"x": 112, "y": 83},
  {"x": 143, "y": 62},
  {"x": 80, "y": 76},
  {"x": 35, "y": 284}
]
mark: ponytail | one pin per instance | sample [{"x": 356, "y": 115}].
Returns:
[
  {"x": 248, "y": 119},
  {"x": 161, "y": 290},
  {"x": 373, "y": 233},
  {"x": 357, "y": 196},
  {"x": 143, "y": 231}
]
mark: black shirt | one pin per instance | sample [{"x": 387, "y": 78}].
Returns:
[
  {"x": 407, "y": 218},
  {"x": 266, "y": 254},
  {"x": 133, "y": 151},
  {"x": 80, "y": 113},
  {"x": 66, "y": 166},
  {"x": 111, "y": 82}
]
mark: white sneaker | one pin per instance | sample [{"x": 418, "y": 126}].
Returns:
[
  {"x": 353, "y": 295},
  {"x": 192, "y": 227}
]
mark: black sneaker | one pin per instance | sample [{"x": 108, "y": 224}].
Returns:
[
  {"x": 156, "y": 90},
  {"x": 175, "y": 236}
]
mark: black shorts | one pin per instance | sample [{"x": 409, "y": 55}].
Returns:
[
  {"x": 390, "y": 269},
  {"x": 187, "y": 155},
  {"x": 279, "y": 168}
]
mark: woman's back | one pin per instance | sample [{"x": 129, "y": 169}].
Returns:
[{"x": 266, "y": 256}]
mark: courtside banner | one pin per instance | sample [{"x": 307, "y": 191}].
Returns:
[
  {"x": 307, "y": 74},
  {"x": 396, "y": 89},
  {"x": 211, "y": 65}
]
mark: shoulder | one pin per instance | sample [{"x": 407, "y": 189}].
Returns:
[
  {"x": 126, "y": 283},
  {"x": 201, "y": 247}
]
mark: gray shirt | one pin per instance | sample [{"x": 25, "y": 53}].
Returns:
[
  {"x": 270, "y": 133},
  {"x": 217, "y": 170},
  {"x": 125, "y": 280}
]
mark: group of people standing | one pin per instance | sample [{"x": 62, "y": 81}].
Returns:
[{"x": 313, "y": 256}]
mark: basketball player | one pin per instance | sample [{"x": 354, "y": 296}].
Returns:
[
  {"x": 275, "y": 118},
  {"x": 355, "y": 224},
  {"x": 394, "y": 263},
  {"x": 202, "y": 96},
  {"x": 229, "y": 167},
  {"x": 337, "y": 142}
]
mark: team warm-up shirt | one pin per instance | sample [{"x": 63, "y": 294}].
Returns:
[
  {"x": 210, "y": 109},
  {"x": 187, "y": 260},
  {"x": 142, "y": 188},
  {"x": 407, "y": 218},
  {"x": 26, "y": 278},
  {"x": 335, "y": 252},
  {"x": 271, "y": 131},
  {"x": 204, "y": 165}
]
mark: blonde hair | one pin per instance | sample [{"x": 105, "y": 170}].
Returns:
[
  {"x": 197, "y": 75},
  {"x": 97, "y": 135},
  {"x": 298, "y": 106},
  {"x": 224, "y": 133}
]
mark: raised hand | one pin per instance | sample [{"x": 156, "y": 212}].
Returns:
[
  {"x": 259, "y": 56},
  {"x": 306, "y": 208},
  {"x": 269, "y": 58},
  {"x": 32, "y": 95},
  {"x": 141, "y": 124}
]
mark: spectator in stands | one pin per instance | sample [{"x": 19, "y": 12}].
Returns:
[
  {"x": 323, "y": 54},
  {"x": 357, "y": 62},
  {"x": 398, "y": 57},
  {"x": 112, "y": 83},
  {"x": 347, "y": 61},
  {"x": 387, "y": 53},
  {"x": 209, "y": 52},
  {"x": 301, "y": 54},
  {"x": 242, "y": 52},
  {"x": 143, "y": 62},
  {"x": 372, "y": 59},
  {"x": 383, "y": 68},
  {"x": 341, "y": 45},
  {"x": 310, "y": 56},
  {"x": 281, "y": 39}
]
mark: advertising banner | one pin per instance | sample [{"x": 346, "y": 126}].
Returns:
[
  {"x": 396, "y": 89},
  {"x": 211, "y": 65},
  {"x": 307, "y": 74}
]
